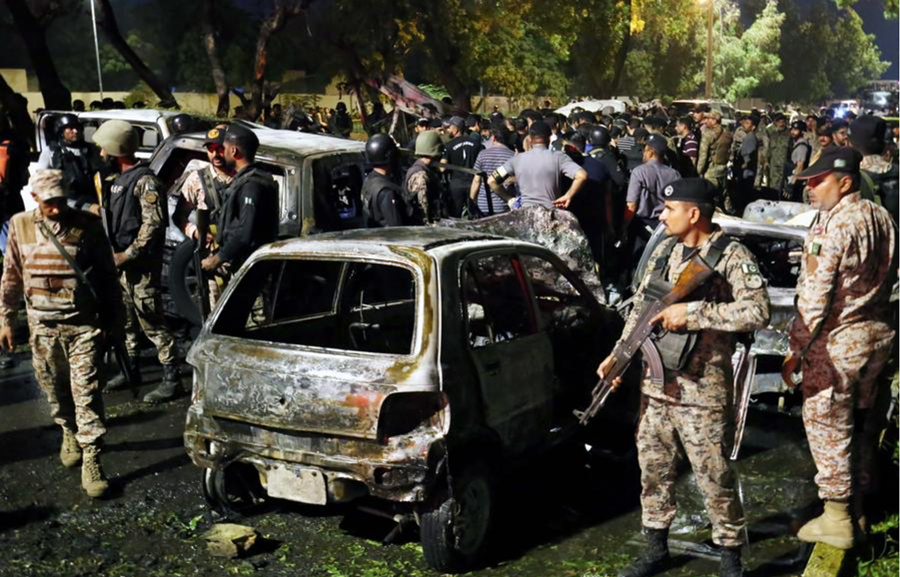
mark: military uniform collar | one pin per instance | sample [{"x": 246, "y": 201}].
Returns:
[{"x": 844, "y": 202}]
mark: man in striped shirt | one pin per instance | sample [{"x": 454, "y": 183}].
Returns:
[
  {"x": 492, "y": 157},
  {"x": 688, "y": 147}
]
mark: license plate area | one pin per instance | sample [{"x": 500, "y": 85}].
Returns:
[{"x": 300, "y": 484}]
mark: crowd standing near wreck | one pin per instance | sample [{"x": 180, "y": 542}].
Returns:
[{"x": 397, "y": 319}]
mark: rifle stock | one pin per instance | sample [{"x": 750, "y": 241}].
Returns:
[{"x": 658, "y": 298}]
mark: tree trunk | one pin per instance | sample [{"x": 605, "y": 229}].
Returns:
[
  {"x": 445, "y": 55},
  {"x": 56, "y": 95},
  {"x": 212, "y": 52},
  {"x": 622, "y": 54},
  {"x": 15, "y": 106},
  {"x": 107, "y": 21},
  {"x": 284, "y": 11}
]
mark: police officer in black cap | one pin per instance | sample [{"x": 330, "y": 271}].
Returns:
[
  {"x": 382, "y": 201},
  {"x": 461, "y": 150},
  {"x": 248, "y": 217},
  {"x": 689, "y": 411},
  {"x": 78, "y": 160}
]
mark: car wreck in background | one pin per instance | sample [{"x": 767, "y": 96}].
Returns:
[{"x": 413, "y": 365}]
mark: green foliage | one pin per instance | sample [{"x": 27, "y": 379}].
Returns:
[{"x": 887, "y": 562}]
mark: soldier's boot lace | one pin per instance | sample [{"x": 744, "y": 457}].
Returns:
[
  {"x": 69, "y": 450},
  {"x": 654, "y": 558},
  {"x": 833, "y": 527},
  {"x": 93, "y": 481},
  {"x": 730, "y": 563},
  {"x": 169, "y": 388},
  {"x": 120, "y": 381}
]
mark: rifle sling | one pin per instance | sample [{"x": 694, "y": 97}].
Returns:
[{"x": 82, "y": 277}]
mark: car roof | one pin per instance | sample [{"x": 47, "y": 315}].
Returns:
[
  {"x": 297, "y": 143},
  {"x": 425, "y": 238},
  {"x": 132, "y": 115}
]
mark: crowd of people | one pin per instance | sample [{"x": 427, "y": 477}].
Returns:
[{"x": 88, "y": 267}]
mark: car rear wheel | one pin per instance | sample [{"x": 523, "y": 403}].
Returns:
[
  {"x": 234, "y": 490},
  {"x": 455, "y": 533}
]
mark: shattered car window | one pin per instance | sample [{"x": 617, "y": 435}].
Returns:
[
  {"x": 323, "y": 303},
  {"x": 494, "y": 291},
  {"x": 558, "y": 302}
]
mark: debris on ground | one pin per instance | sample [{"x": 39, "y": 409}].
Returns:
[
  {"x": 230, "y": 540},
  {"x": 825, "y": 561}
]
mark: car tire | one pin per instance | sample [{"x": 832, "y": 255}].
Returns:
[
  {"x": 232, "y": 491},
  {"x": 455, "y": 534},
  {"x": 183, "y": 282}
]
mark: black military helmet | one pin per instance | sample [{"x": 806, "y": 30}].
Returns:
[
  {"x": 380, "y": 150},
  {"x": 340, "y": 107},
  {"x": 599, "y": 136},
  {"x": 182, "y": 123},
  {"x": 66, "y": 121}
]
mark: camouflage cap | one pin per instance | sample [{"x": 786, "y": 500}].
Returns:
[{"x": 47, "y": 184}]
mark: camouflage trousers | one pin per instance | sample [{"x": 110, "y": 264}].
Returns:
[
  {"x": 143, "y": 309},
  {"x": 67, "y": 361},
  {"x": 667, "y": 431},
  {"x": 838, "y": 380}
]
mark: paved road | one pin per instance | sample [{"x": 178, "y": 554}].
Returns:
[{"x": 559, "y": 518}]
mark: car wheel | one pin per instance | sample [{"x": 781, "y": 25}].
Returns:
[
  {"x": 455, "y": 533},
  {"x": 183, "y": 282},
  {"x": 232, "y": 491}
]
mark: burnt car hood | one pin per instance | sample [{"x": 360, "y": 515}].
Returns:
[{"x": 307, "y": 391}]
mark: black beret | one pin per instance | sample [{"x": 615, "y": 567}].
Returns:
[
  {"x": 697, "y": 190},
  {"x": 799, "y": 125}
]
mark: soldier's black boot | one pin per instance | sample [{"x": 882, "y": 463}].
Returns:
[
  {"x": 654, "y": 558},
  {"x": 169, "y": 388},
  {"x": 120, "y": 381},
  {"x": 730, "y": 564}
]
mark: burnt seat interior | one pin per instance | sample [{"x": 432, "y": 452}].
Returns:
[{"x": 351, "y": 306}]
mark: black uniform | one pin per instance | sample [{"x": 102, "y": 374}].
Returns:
[
  {"x": 382, "y": 201},
  {"x": 78, "y": 171},
  {"x": 248, "y": 217},
  {"x": 461, "y": 151}
]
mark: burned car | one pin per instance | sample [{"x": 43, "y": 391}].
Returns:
[{"x": 409, "y": 366}]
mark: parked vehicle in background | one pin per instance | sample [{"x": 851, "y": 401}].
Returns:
[{"x": 684, "y": 107}]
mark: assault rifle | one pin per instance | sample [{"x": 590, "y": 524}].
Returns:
[{"x": 657, "y": 296}]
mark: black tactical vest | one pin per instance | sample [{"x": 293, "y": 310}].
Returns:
[
  {"x": 123, "y": 209},
  {"x": 78, "y": 172},
  {"x": 372, "y": 187}
]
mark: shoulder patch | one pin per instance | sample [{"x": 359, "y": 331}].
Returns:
[
  {"x": 752, "y": 277},
  {"x": 151, "y": 197}
]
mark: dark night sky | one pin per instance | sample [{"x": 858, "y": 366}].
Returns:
[{"x": 886, "y": 32}]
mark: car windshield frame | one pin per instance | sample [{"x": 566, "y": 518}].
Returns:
[{"x": 415, "y": 348}]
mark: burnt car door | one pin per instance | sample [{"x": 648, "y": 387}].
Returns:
[{"x": 512, "y": 355}]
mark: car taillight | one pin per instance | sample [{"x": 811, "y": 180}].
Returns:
[{"x": 403, "y": 413}]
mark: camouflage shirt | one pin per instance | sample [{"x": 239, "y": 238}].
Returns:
[
  {"x": 33, "y": 268},
  {"x": 847, "y": 273},
  {"x": 734, "y": 301},
  {"x": 191, "y": 193},
  {"x": 876, "y": 164}
]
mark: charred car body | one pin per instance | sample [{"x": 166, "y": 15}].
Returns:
[{"x": 407, "y": 364}]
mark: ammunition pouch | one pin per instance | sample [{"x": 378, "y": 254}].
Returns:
[{"x": 675, "y": 349}]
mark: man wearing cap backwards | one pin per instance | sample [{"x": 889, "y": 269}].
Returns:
[
  {"x": 248, "y": 217},
  {"x": 777, "y": 152},
  {"x": 65, "y": 322},
  {"x": 692, "y": 408},
  {"x": 136, "y": 217},
  {"x": 422, "y": 187},
  {"x": 461, "y": 150},
  {"x": 539, "y": 173},
  {"x": 644, "y": 200},
  {"x": 381, "y": 198},
  {"x": 841, "y": 337},
  {"x": 715, "y": 148}
]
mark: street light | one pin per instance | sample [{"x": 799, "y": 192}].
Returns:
[
  {"x": 709, "y": 41},
  {"x": 97, "y": 48}
]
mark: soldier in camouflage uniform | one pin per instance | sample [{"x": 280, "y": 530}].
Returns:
[
  {"x": 422, "y": 186},
  {"x": 777, "y": 153},
  {"x": 692, "y": 408},
  {"x": 191, "y": 195},
  {"x": 65, "y": 322},
  {"x": 715, "y": 150},
  {"x": 842, "y": 336},
  {"x": 135, "y": 215}
]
